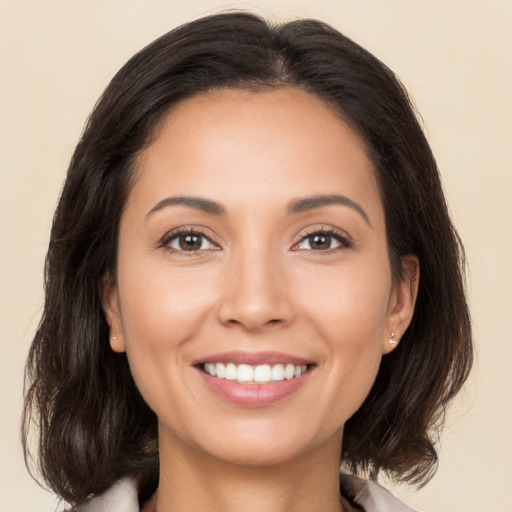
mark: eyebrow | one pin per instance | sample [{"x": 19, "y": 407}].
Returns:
[
  {"x": 310, "y": 203},
  {"x": 294, "y": 207},
  {"x": 196, "y": 203}
]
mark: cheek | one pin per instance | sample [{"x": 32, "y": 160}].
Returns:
[
  {"x": 349, "y": 311},
  {"x": 348, "y": 303},
  {"x": 161, "y": 311},
  {"x": 160, "y": 305}
]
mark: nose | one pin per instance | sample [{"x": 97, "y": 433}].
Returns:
[{"x": 256, "y": 293}]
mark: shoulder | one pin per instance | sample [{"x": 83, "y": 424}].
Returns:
[
  {"x": 371, "y": 496},
  {"x": 122, "y": 497}
]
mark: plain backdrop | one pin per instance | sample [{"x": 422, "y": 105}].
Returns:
[{"x": 454, "y": 57}]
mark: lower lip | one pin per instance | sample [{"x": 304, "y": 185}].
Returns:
[{"x": 253, "y": 395}]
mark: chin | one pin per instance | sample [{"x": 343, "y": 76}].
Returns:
[
  {"x": 263, "y": 442},
  {"x": 258, "y": 454}
]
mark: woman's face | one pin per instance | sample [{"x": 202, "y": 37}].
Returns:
[{"x": 254, "y": 295}]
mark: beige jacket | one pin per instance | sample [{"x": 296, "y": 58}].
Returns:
[{"x": 122, "y": 497}]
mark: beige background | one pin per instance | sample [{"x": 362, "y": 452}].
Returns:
[{"x": 454, "y": 57}]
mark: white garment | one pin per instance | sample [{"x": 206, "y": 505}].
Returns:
[
  {"x": 122, "y": 497},
  {"x": 371, "y": 496}
]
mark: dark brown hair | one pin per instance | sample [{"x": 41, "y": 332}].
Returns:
[{"x": 93, "y": 425}]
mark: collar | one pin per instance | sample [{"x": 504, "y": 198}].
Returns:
[{"x": 372, "y": 497}]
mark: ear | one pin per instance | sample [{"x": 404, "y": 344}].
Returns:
[
  {"x": 402, "y": 302},
  {"x": 110, "y": 304}
]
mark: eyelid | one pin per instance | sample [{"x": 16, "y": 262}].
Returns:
[
  {"x": 341, "y": 236},
  {"x": 165, "y": 240},
  {"x": 344, "y": 238}
]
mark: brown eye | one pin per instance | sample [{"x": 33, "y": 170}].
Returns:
[
  {"x": 189, "y": 242},
  {"x": 321, "y": 241}
]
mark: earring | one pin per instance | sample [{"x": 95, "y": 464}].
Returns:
[
  {"x": 392, "y": 341},
  {"x": 116, "y": 343}
]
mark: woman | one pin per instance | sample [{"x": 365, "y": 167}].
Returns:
[{"x": 233, "y": 295}]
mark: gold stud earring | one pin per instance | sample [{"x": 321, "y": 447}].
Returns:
[
  {"x": 116, "y": 344},
  {"x": 392, "y": 340}
]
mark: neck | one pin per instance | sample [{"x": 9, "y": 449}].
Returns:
[{"x": 196, "y": 481}]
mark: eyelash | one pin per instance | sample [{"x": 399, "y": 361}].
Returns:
[
  {"x": 339, "y": 236},
  {"x": 175, "y": 234}
]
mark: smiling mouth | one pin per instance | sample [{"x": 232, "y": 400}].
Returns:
[
  {"x": 257, "y": 374},
  {"x": 254, "y": 379}
]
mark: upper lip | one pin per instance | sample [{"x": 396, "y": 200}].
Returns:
[{"x": 253, "y": 358}]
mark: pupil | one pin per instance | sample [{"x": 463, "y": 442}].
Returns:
[
  {"x": 320, "y": 241},
  {"x": 190, "y": 242}
]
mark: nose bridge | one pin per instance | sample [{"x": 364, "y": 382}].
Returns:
[{"x": 256, "y": 292}]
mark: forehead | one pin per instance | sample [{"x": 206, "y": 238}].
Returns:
[{"x": 250, "y": 147}]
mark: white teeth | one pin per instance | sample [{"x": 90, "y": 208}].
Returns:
[
  {"x": 259, "y": 374},
  {"x": 230, "y": 371},
  {"x": 244, "y": 373},
  {"x": 263, "y": 373},
  {"x": 278, "y": 372},
  {"x": 220, "y": 370},
  {"x": 289, "y": 371},
  {"x": 299, "y": 370}
]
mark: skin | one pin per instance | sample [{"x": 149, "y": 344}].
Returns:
[{"x": 256, "y": 284}]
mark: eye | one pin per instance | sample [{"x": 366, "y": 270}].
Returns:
[
  {"x": 188, "y": 241},
  {"x": 321, "y": 241}
]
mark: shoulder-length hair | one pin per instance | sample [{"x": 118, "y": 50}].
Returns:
[{"x": 93, "y": 425}]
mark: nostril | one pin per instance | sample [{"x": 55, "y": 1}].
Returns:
[{"x": 254, "y": 310}]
